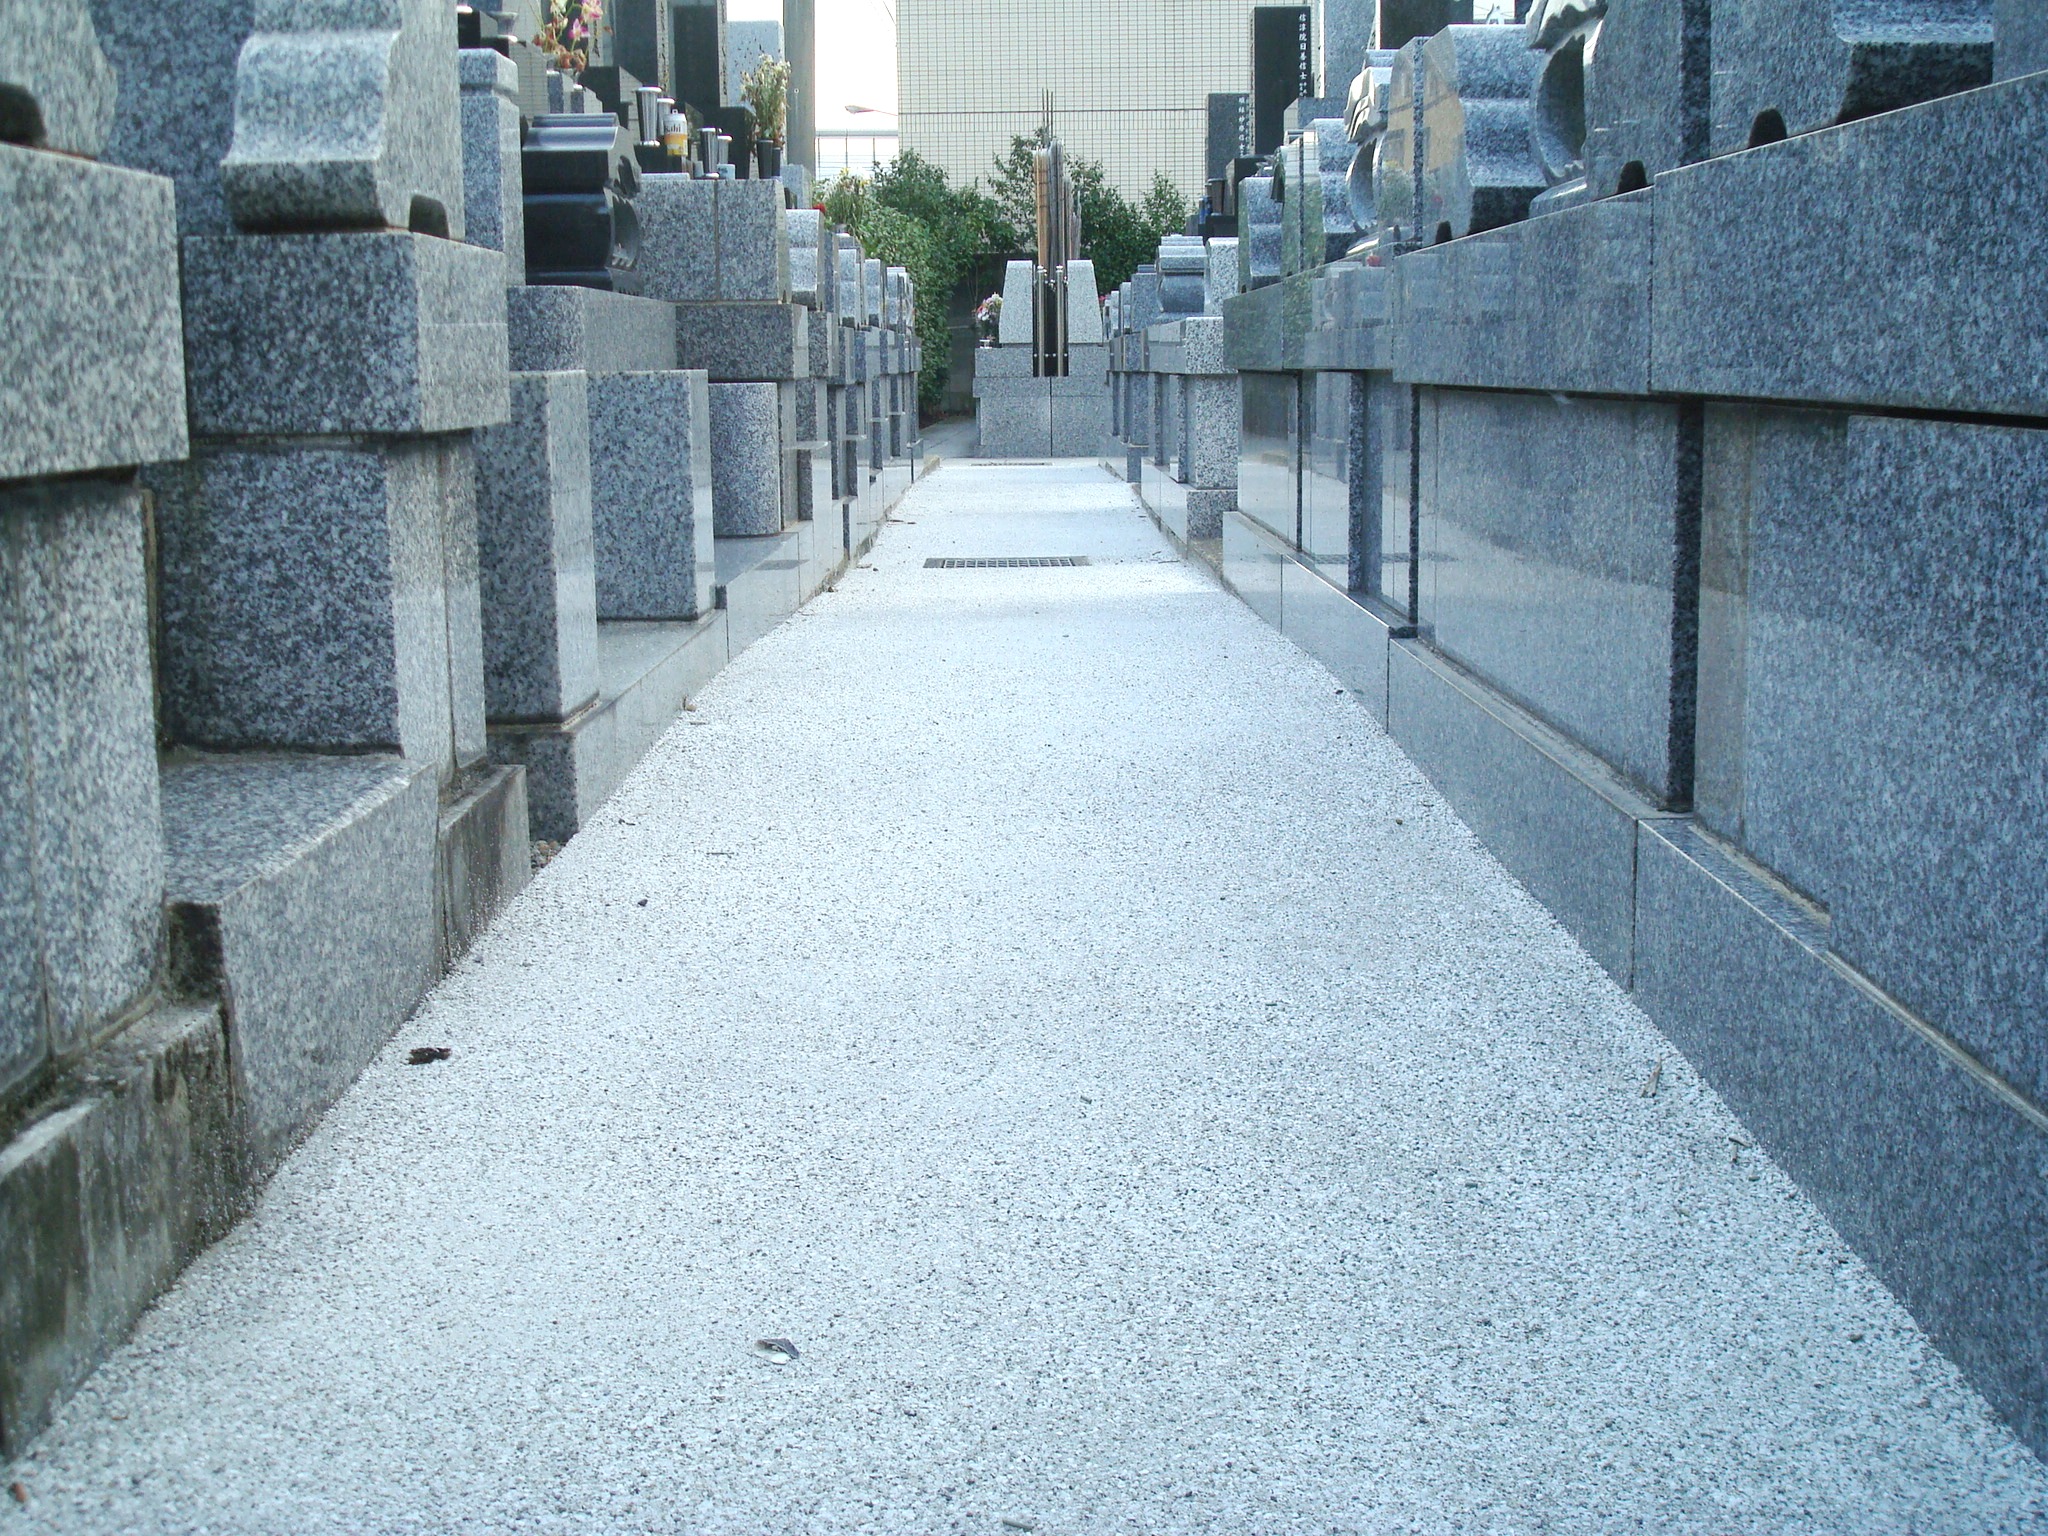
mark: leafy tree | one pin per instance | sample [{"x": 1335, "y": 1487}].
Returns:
[
  {"x": 846, "y": 199},
  {"x": 909, "y": 215},
  {"x": 1116, "y": 236}
]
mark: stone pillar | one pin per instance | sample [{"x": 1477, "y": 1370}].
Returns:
[
  {"x": 720, "y": 251},
  {"x": 597, "y": 549}
]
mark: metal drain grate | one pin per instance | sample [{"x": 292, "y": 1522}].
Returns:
[{"x": 1005, "y": 563}]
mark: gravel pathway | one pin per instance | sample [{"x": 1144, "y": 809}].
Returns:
[{"x": 1045, "y": 1001}]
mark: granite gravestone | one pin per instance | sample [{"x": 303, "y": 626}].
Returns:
[
  {"x": 1397, "y": 161},
  {"x": 1283, "y": 69},
  {"x": 1347, "y": 30},
  {"x": 1230, "y": 132},
  {"x": 2022, "y": 38},
  {"x": 1479, "y": 170},
  {"x": 1648, "y": 85},
  {"x": 580, "y": 225},
  {"x": 493, "y": 208},
  {"x": 56, "y": 87},
  {"x": 1365, "y": 122},
  {"x": 1401, "y": 22},
  {"x": 1790, "y": 66},
  {"x": 346, "y": 118}
]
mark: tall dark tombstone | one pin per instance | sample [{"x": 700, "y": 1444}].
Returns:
[
  {"x": 1283, "y": 69},
  {"x": 1230, "y": 132},
  {"x": 1402, "y": 21},
  {"x": 638, "y": 41},
  {"x": 697, "y": 54}
]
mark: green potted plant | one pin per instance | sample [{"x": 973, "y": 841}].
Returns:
[{"x": 766, "y": 88}]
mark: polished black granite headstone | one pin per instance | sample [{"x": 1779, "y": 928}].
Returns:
[
  {"x": 580, "y": 179},
  {"x": 1401, "y": 21},
  {"x": 1283, "y": 69}
]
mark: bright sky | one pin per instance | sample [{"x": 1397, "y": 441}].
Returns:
[{"x": 856, "y": 56}]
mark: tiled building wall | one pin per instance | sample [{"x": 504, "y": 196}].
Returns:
[{"x": 1130, "y": 80}]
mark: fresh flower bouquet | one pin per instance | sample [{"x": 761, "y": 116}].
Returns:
[
  {"x": 766, "y": 88},
  {"x": 988, "y": 317},
  {"x": 565, "y": 36}
]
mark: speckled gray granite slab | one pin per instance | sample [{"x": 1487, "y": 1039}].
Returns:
[
  {"x": 2021, "y": 41},
  {"x": 647, "y": 671},
  {"x": 821, "y": 343},
  {"x": 1211, "y": 417},
  {"x": 92, "y": 368},
  {"x": 1078, "y": 423},
  {"x": 650, "y": 494},
  {"x": 81, "y": 868},
  {"x": 303, "y": 598},
  {"x": 59, "y": 85},
  {"x": 1552, "y": 564},
  {"x": 344, "y": 115},
  {"x": 678, "y": 258},
  {"x": 1871, "y": 692},
  {"x": 1260, "y": 234},
  {"x": 1556, "y": 303},
  {"x": 1922, "y": 283},
  {"x": 702, "y": 240},
  {"x": 1646, "y": 95},
  {"x": 871, "y": 290},
  {"x": 846, "y": 288},
  {"x": 1267, "y": 328},
  {"x": 535, "y": 543},
  {"x": 746, "y": 470},
  {"x": 304, "y": 888},
  {"x": 1937, "y": 1183},
  {"x": 1015, "y": 418},
  {"x": 353, "y": 332},
  {"x": 462, "y": 598},
  {"x": 744, "y": 343},
  {"x": 558, "y": 329},
  {"x": 1001, "y": 363},
  {"x": 753, "y": 242},
  {"x": 1563, "y": 829},
  {"x": 1479, "y": 170},
  {"x": 1350, "y": 318},
  {"x": 493, "y": 202},
  {"x": 808, "y": 253},
  {"x": 1810, "y": 63}
]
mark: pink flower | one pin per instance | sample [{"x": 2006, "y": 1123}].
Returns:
[{"x": 577, "y": 30}]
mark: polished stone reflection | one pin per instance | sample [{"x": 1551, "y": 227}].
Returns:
[
  {"x": 1551, "y": 559},
  {"x": 1872, "y": 691},
  {"x": 1326, "y": 474},
  {"x": 1267, "y": 491}
]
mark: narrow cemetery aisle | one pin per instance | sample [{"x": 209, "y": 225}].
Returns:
[{"x": 1045, "y": 1001}]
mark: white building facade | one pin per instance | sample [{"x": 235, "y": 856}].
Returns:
[{"x": 1130, "y": 81}]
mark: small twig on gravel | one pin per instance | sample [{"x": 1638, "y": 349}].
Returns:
[
  {"x": 427, "y": 1055},
  {"x": 1740, "y": 1146},
  {"x": 1656, "y": 1076}
]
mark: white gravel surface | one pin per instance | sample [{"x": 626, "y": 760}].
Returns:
[{"x": 1047, "y": 1001}]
